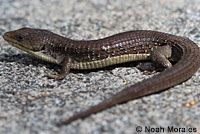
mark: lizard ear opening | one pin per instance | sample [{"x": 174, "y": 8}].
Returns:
[{"x": 43, "y": 48}]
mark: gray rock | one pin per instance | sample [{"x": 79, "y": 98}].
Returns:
[{"x": 32, "y": 104}]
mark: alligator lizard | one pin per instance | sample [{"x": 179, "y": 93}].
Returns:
[{"x": 160, "y": 48}]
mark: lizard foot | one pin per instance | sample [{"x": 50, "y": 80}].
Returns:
[{"x": 55, "y": 76}]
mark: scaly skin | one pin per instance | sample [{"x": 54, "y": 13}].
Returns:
[{"x": 124, "y": 47}]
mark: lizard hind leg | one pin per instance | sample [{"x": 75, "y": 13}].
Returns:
[
  {"x": 160, "y": 55},
  {"x": 66, "y": 65}
]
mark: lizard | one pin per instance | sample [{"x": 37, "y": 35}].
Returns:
[{"x": 160, "y": 48}]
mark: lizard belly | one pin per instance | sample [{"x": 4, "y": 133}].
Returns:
[{"x": 110, "y": 61}]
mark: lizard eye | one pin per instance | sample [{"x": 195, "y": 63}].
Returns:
[{"x": 19, "y": 38}]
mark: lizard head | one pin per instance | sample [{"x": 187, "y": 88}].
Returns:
[
  {"x": 31, "y": 41},
  {"x": 25, "y": 38}
]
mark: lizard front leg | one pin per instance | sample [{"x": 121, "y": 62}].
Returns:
[{"x": 66, "y": 65}]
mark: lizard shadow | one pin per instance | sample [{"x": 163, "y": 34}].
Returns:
[
  {"x": 27, "y": 60},
  {"x": 24, "y": 59}
]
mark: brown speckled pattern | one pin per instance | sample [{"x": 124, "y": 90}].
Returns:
[{"x": 92, "y": 54}]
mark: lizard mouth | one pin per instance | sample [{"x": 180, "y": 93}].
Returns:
[{"x": 38, "y": 54}]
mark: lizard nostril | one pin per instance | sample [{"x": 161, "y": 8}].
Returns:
[{"x": 5, "y": 35}]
